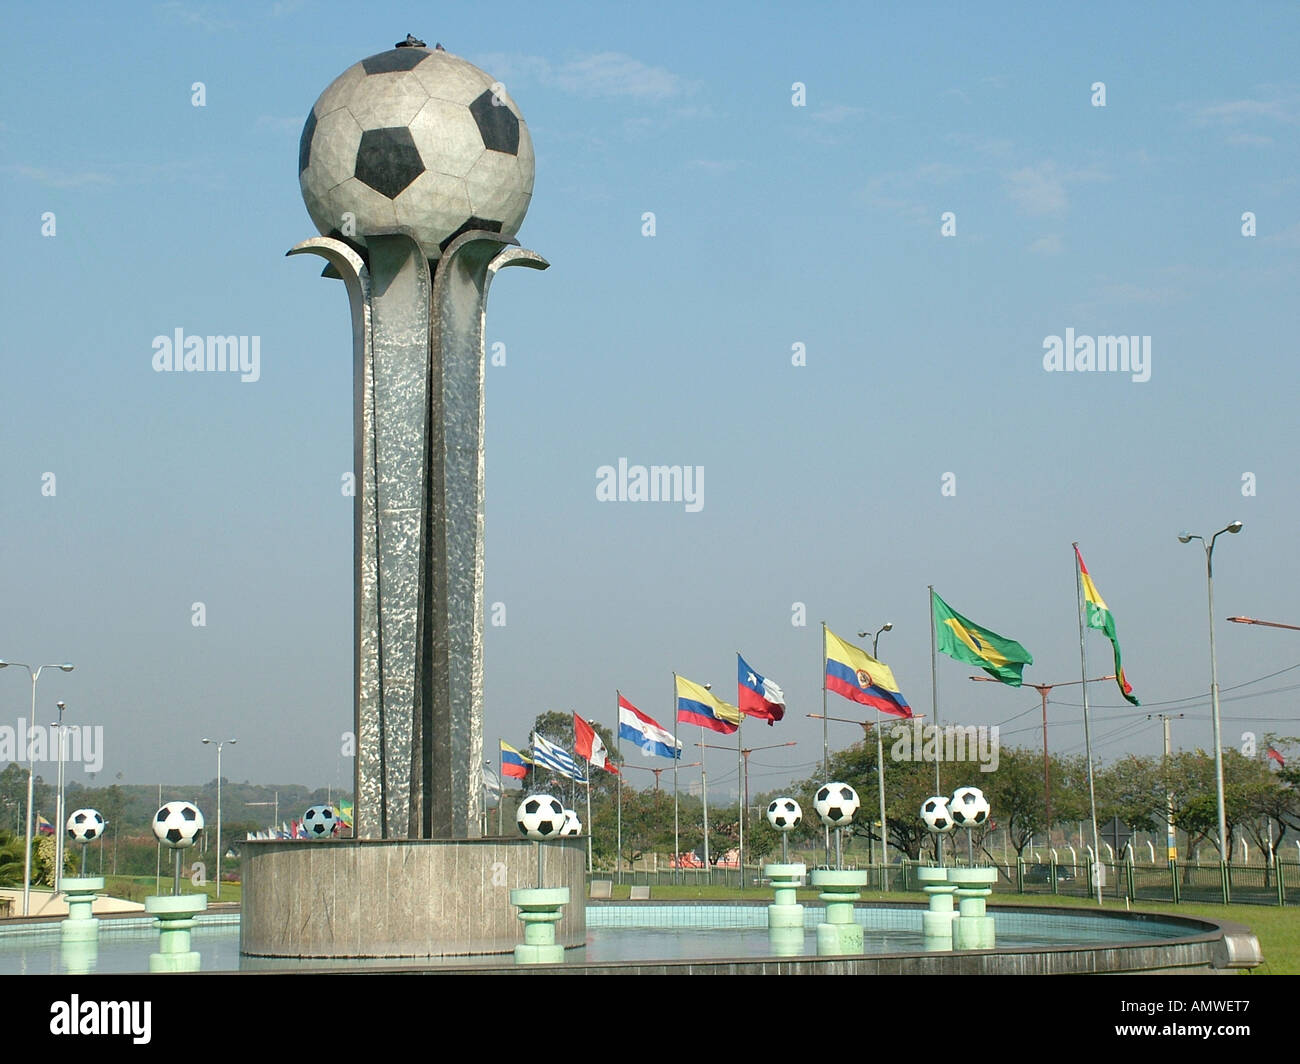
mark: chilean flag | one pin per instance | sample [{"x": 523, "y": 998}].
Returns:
[{"x": 759, "y": 696}]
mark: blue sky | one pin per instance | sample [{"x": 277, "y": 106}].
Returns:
[{"x": 775, "y": 225}]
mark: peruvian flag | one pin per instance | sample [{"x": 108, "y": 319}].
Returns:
[
  {"x": 759, "y": 696},
  {"x": 1276, "y": 756},
  {"x": 588, "y": 745}
]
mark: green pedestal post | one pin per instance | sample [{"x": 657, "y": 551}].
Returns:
[
  {"x": 175, "y": 913},
  {"x": 974, "y": 927},
  {"x": 80, "y": 924},
  {"x": 539, "y": 909},
  {"x": 785, "y": 929},
  {"x": 937, "y": 921},
  {"x": 841, "y": 933}
]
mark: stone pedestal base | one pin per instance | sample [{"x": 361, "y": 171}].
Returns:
[
  {"x": 840, "y": 934},
  {"x": 175, "y": 921},
  {"x": 785, "y": 930},
  {"x": 539, "y": 909},
  {"x": 974, "y": 927},
  {"x": 80, "y": 925},
  {"x": 937, "y": 921}
]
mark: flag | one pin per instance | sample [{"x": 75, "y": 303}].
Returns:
[
  {"x": 587, "y": 743},
  {"x": 556, "y": 758},
  {"x": 1099, "y": 616},
  {"x": 1003, "y": 659},
  {"x": 43, "y": 826},
  {"x": 859, "y": 677},
  {"x": 513, "y": 763},
  {"x": 696, "y": 705},
  {"x": 345, "y": 813},
  {"x": 296, "y": 830},
  {"x": 636, "y": 727},
  {"x": 758, "y": 696},
  {"x": 491, "y": 783},
  {"x": 1276, "y": 756}
]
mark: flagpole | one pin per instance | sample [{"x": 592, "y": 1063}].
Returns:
[
  {"x": 618, "y": 748},
  {"x": 740, "y": 802},
  {"x": 934, "y": 709},
  {"x": 1087, "y": 736},
  {"x": 826, "y": 746},
  {"x": 704, "y": 790},
  {"x": 589, "y": 818},
  {"x": 677, "y": 846}
]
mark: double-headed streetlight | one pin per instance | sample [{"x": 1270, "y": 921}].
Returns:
[
  {"x": 27, "y": 861},
  {"x": 58, "y": 807},
  {"x": 219, "y": 746},
  {"x": 888, "y": 626},
  {"x": 1187, "y": 537}
]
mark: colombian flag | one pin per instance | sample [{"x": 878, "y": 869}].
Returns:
[
  {"x": 1099, "y": 616},
  {"x": 859, "y": 677},
  {"x": 513, "y": 763},
  {"x": 1003, "y": 659},
  {"x": 696, "y": 705}
]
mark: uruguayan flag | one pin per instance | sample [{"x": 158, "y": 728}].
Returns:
[{"x": 556, "y": 758}]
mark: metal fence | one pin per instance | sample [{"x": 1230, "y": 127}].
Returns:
[{"x": 1173, "y": 882}]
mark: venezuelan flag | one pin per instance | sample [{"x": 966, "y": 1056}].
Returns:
[
  {"x": 859, "y": 677},
  {"x": 964, "y": 640},
  {"x": 513, "y": 763},
  {"x": 696, "y": 705}
]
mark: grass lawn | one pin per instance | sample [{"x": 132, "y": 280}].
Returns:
[
  {"x": 137, "y": 888},
  {"x": 1277, "y": 929}
]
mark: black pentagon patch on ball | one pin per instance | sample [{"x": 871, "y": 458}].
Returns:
[
  {"x": 497, "y": 124},
  {"x": 80, "y": 818},
  {"x": 940, "y": 823},
  {"x": 823, "y": 794},
  {"x": 532, "y": 805},
  {"x": 328, "y": 811},
  {"x": 394, "y": 60},
  {"x": 162, "y": 815},
  {"x": 90, "y": 833},
  {"x": 546, "y": 827},
  {"x": 835, "y": 814},
  {"x": 557, "y": 808},
  {"x": 174, "y": 835},
  {"x": 473, "y": 223},
  {"x": 304, "y": 145},
  {"x": 388, "y": 160},
  {"x": 188, "y": 812},
  {"x": 772, "y": 808}
]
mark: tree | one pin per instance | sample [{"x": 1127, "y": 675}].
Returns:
[
  {"x": 1131, "y": 789},
  {"x": 1015, "y": 794}
]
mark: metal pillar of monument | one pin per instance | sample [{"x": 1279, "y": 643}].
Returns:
[{"x": 418, "y": 554}]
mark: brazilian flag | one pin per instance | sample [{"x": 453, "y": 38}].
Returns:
[{"x": 1003, "y": 659}]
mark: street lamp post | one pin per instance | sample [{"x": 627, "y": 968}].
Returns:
[
  {"x": 1187, "y": 537},
  {"x": 27, "y": 859},
  {"x": 888, "y": 626},
  {"x": 58, "y": 809},
  {"x": 219, "y": 746}
]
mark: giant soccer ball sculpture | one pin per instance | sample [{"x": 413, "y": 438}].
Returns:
[
  {"x": 836, "y": 803},
  {"x": 540, "y": 817},
  {"x": 320, "y": 822},
  {"x": 784, "y": 814},
  {"x": 970, "y": 808},
  {"x": 572, "y": 825},
  {"x": 85, "y": 826},
  {"x": 177, "y": 824},
  {"x": 936, "y": 815},
  {"x": 419, "y": 139}
]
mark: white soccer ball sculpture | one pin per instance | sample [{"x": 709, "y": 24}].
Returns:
[
  {"x": 836, "y": 803},
  {"x": 936, "y": 815},
  {"x": 416, "y": 138},
  {"x": 85, "y": 825},
  {"x": 784, "y": 814},
  {"x": 572, "y": 825},
  {"x": 540, "y": 817},
  {"x": 320, "y": 822},
  {"x": 177, "y": 824},
  {"x": 969, "y": 807}
]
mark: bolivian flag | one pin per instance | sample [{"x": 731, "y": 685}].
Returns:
[
  {"x": 1003, "y": 659},
  {"x": 1099, "y": 616}
]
